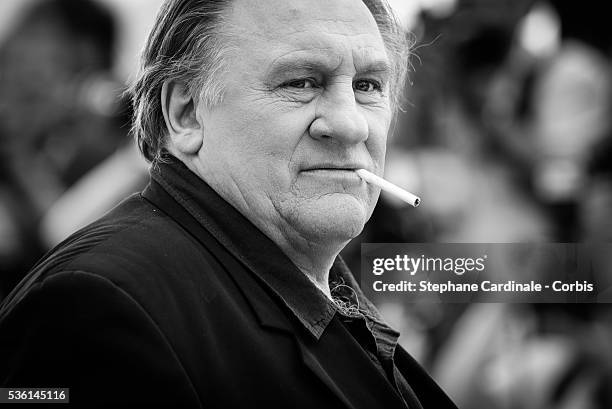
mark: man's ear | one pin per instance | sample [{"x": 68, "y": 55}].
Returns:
[{"x": 179, "y": 111}]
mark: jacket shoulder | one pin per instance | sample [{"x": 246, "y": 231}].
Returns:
[
  {"x": 138, "y": 248},
  {"x": 135, "y": 237},
  {"x": 133, "y": 224}
]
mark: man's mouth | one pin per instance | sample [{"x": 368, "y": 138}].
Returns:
[
  {"x": 341, "y": 174},
  {"x": 335, "y": 167}
]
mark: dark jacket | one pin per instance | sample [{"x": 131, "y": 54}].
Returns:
[{"x": 152, "y": 305}]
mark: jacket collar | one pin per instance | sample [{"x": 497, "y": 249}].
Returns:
[
  {"x": 202, "y": 212},
  {"x": 263, "y": 257},
  {"x": 250, "y": 246}
]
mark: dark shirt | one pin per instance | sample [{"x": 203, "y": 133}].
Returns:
[{"x": 306, "y": 302}]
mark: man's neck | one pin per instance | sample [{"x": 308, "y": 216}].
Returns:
[{"x": 313, "y": 257}]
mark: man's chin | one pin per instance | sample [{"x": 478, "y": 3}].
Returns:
[{"x": 331, "y": 219}]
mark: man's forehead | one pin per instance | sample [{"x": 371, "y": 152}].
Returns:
[
  {"x": 330, "y": 29},
  {"x": 285, "y": 17}
]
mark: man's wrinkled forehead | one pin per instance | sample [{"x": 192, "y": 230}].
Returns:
[
  {"x": 295, "y": 12},
  {"x": 305, "y": 20}
]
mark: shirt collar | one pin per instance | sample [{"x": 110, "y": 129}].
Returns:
[{"x": 255, "y": 250}]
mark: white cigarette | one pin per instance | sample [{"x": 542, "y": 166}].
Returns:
[{"x": 407, "y": 197}]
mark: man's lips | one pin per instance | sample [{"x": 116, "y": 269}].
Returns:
[
  {"x": 342, "y": 174},
  {"x": 331, "y": 166}
]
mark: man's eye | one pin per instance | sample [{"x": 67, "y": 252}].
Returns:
[
  {"x": 367, "y": 86},
  {"x": 302, "y": 83}
]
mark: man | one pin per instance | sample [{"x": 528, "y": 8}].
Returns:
[{"x": 220, "y": 285}]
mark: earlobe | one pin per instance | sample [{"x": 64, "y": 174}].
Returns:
[{"x": 179, "y": 112}]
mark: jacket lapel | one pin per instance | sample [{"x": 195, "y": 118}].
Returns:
[
  {"x": 320, "y": 356},
  {"x": 268, "y": 314},
  {"x": 430, "y": 395},
  {"x": 351, "y": 375},
  {"x": 315, "y": 366}
]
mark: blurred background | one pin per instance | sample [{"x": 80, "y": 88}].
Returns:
[{"x": 506, "y": 135}]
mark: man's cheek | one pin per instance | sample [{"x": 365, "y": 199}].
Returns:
[{"x": 377, "y": 148}]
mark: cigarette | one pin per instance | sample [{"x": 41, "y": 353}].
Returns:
[{"x": 406, "y": 196}]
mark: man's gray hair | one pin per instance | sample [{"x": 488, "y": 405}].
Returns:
[{"x": 185, "y": 45}]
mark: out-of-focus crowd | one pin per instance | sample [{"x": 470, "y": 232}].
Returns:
[
  {"x": 63, "y": 123},
  {"x": 505, "y": 134}
]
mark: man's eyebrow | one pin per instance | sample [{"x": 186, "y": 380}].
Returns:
[
  {"x": 323, "y": 64},
  {"x": 313, "y": 63},
  {"x": 377, "y": 66}
]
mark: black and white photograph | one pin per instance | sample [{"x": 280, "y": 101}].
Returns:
[{"x": 351, "y": 204}]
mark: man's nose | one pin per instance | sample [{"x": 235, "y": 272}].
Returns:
[{"x": 339, "y": 118}]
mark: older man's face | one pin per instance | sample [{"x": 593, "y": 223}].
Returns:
[{"x": 306, "y": 102}]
